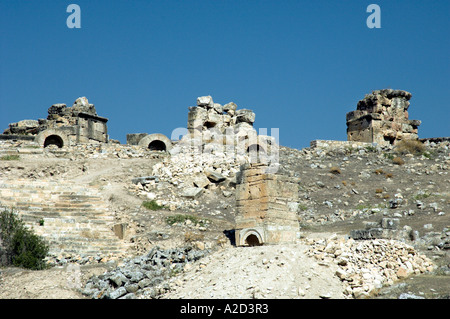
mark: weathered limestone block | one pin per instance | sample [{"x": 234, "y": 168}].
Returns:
[
  {"x": 196, "y": 117},
  {"x": 213, "y": 118},
  {"x": 230, "y": 108},
  {"x": 265, "y": 202},
  {"x": 23, "y": 127},
  {"x": 245, "y": 115},
  {"x": 205, "y": 101},
  {"x": 133, "y": 139}
]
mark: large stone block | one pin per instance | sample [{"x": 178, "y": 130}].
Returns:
[
  {"x": 205, "y": 101},
  {"x": 265, "y": 201},
  {"x": 245, "y": 115}
]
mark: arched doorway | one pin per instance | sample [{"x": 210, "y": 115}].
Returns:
[
  {"x": 157, "y": 145},
  {"x": 250, "y": 237},
  {"x": 52, "y": 137},
  {"x": 54, "y": 140},
  {"x": 255, "y": 148},
  {"x": 156, "y": 142},
  {"x": 252, "y": 240}
]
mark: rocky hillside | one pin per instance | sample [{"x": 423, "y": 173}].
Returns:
[{"x": 387, "y": 208}]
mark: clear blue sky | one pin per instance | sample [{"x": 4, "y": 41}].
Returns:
[{"x": 299, "y": 65}]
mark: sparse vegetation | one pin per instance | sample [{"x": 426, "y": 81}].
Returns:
[
  {"x": 22, "y": 248},
  {"x": 367, "y": 206},
  {"x": 182, "y": 218},
  {"x": 398, "y": 161},
  {"x": 10, "y": 158},
  {"x": 422, "y": 195},
  {"x": 371, "y": 148},
  {"x": 152, "y": 205},
  {"x": 414, "y": 147},
  {"x": 302, "y": 207}
]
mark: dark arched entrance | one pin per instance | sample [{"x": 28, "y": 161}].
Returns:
[
  {"x": 255, "y": 148},
  {"x": 252, "y": 240},
  {"x": 157, "y": 145},
  {"x": 54, "y": 140}
]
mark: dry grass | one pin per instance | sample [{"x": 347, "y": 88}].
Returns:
[
  {"x": 398, "y": 161},
  {"x": 414, "y": 147},
  {"x": 190, "y": 237}
]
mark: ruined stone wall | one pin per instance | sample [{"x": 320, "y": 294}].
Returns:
[
  {"x": 207, "y": 115},
  {"x": 64, "y": 125},
  {"x": 266, "y": 207},
  {"x": 382, "y": 117}
]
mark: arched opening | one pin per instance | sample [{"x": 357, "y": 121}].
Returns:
[
  {"x": 54, "y": 140},
  {"x": 209, "y": 125},
  {"x": 252, "y": 240},
  {"x": 157, "y": 145},
  {"x": 255, "y": 148}
]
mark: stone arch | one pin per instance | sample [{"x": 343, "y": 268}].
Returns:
[
  {"x": 255, "y": 147},
  {"x": 52, "y": 137},
  {"x": 54, "y": 140},
  {"x": 251, "y": 237},
  {"x": 156, "y": 142}
]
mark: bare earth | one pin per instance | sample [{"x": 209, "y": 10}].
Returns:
[{"x": 255, "y": 272}]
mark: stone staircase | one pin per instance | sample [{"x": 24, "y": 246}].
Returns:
[{"x": 72, "y": 218}]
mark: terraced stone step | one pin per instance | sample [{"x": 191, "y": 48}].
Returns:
[{"x": 75, "y": 218}]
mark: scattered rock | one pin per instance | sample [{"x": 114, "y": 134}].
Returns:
[{"x": 192, "y": 192}]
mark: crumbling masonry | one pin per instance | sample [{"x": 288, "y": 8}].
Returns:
[
  {"x": 64, "y": 126},
  {"x": 382, "y": 117},
  {"x": 266, "y": 207}
]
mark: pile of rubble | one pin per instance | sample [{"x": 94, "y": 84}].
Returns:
[
  {"x": 368, "y": 265},
  {"x": 178, "y": 181},
  {"x": 142, "y": 274}
]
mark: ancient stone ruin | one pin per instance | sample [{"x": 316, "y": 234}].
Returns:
[
  {"x": 266, "y": 207},
  {"x": 382, "y": 118},
  {"x": 64, "y": 126},
  {"x": 154, "y": 142},
  {"x": 207, "y": 121},
  {"x": 212, "y": 125},
  {"x": 207, "y": 115}
]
